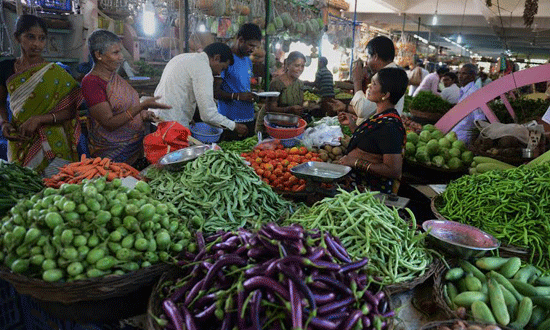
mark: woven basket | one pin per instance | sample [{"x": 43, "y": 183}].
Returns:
[
  {"x": 428, "y": 116},
  {"x": 393, "y": 289},
  {"x": 435, "y": 202},
  {"x": 449, "y": 323},
  {"x": 102, "y": 299}
]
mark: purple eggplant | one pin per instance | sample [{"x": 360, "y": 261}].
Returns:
[
  {"x": 200, "y": 240},
  {"x": 296, "y": 306},
  {"x": 240, "y": 305},
  {"x": 171, "y": 310},
  {"x": 337, "y": 316},
  {"x": 259, "y": 282},
  {"x": 189, "y": 322},
  {"x": 227, "y": 322},
  {"x": 257, "y": 252},
  {"x": 230, "y": 259},
  {"x": 326, "y": 265},
  {"x": 350, "y": 322},
  {"x": 193, "y": 293},
  {"x": 255, "y": 310},
  {"x": 301, "y": 285},
  {"x": 203, "y": 316},
  {"x": 322, "y": 299},
  {"x": 290, "y": 233},
  {"x": 318, "y": 253},
  {"x": 331, "y": 246},
  {"x": 353, "y": 266},
  {"x": 333, "y": 282},
  {"x": 180, "y": 292},
  {"x": 366, "y": 322},
  {"x": 336, "y": 305},
  {"x": 323, "y": 324}
]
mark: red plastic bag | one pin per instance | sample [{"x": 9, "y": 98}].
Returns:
[{"x": 170, "y": 136}]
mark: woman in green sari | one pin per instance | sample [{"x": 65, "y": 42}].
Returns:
[
  {"x": 291, "y": 88},
  {"x": 43, "y": 102}
]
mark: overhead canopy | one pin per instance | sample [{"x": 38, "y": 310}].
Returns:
[{"x": 487, "y": 31}]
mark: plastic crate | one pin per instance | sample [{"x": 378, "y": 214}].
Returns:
[
  {"x": 10, "y": 317},
  {"x": 37, "y": 319},
  {"x": 65, "y": 5}
]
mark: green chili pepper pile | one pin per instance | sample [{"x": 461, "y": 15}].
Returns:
[
  {"x": 218, "y": 192},
  {"x": 512, "y": 205},
  {"x": 368, "y": 228},
  {"x": 245, "y": 145},
  {"x": 17, "y": 182}
]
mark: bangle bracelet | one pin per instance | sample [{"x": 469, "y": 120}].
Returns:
[
  {"x": 355, "y": 165},
  {"x": 54, "y": 119},
  {"x": 129, "y": 115},
  {"x": 368, "y": 167},
  {"x": 238, "y": 99},
  {"x": 232, "y": 96}
]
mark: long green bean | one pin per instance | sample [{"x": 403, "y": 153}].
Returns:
[
  {"x": 218, "y": 192},
  {"x": 367, "y": 228},
  {"x": 512, "y": 205}
]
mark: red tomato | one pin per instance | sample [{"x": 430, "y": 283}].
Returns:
[
  {"x": 287, "y": 175},
  {"x": 315, "y": 159},
  {"x": 280, "y": 146},
  {"x": 292, "y": 164},
  {"x": 302, "y": 181},
  {"x": 265, "y": 180},
  {"x": 267, "y": 174},
  {"x": 260, "y": 172},
  {"x": 278, "y": 172},
  {"x": 293, "y": 179},
  {"x": 267, "y": 167},
  {"x": 258, "y": 160},
  {"x": 302, "y": 150},
  {"x": 262, "y": 153},
  {"x": 285, "y": 162},
  {"x": 299, "y": 187},
  {"x": 273, "y": 177}
]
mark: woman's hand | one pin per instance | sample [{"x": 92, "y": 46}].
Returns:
[
  {"x": 346, "y": 118},
  {"x": 369, "y": 157},
  {"x": 30, "y": 126},
  {"x": 10, "y": 133},
  {"x": 152, "y": 103},
  {"x": 149, "y": 116},
  {"x": 348, "y": 160}
]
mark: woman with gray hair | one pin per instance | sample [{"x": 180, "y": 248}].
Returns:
[{"x": 115, "y": 126}]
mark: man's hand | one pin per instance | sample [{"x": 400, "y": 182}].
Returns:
[
  {"x": 357, "y": 75},
  {"x": 337, "y": 106},
  {"x": 247, "y": 97},
  {"x": 241, "y": 129},
  {"x": 152, "y": 103},
  {"x": 149, "y": 116}
]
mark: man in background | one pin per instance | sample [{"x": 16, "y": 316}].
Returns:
[
  {"x": 325, "y": 84},
  {"x": 451, "y": 92},
  {"x": 431, "y": 82},
  {"x": 466, "y": 76},
  {"x": 232, "y": 88}
]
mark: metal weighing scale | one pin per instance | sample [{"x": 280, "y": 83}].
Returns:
[{"x": 317, "y": 173}]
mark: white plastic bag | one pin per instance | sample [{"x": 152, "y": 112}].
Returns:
[{"x": 321, "y": 135}]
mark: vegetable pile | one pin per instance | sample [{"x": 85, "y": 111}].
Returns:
[
  {"x": 89, "y": 168},
  {"x": 245, "y": 145},
  {"x": 461, "y": 325},
  {"x": 278, "y": 277},
  {"x": 217, "y": 191},
  {"x": 332, "y": 154},
  {"x": 17, "y": 183},
  {"x": 90, "y": 230},
  {"x": 500, "y": 291},
  {"x": 427, "y": 101},
  {"x": 368, "y": 228},
  {"x": 512, "y": 205},
  {"x": 432, "y": 148},
  {"x": 272, "y": 162}
]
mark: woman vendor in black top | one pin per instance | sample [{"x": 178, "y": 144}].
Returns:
[{"x": 375, "y": 149}]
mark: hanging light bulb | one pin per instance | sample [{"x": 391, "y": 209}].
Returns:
[
  {"x": 459, "y": 39},
  {"x": 434, "y": 19},
  {"x": 278, "y": 46},
  {"x": 202, "y": 28},
  {"x": 149, "y": 23}
]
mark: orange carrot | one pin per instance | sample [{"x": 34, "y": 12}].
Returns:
[
  {"x": 101, "y": 170},
  {"x": 111, "y": 176}
]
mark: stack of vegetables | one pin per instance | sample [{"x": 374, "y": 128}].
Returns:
[
  {"x": 370, "y": 229},
  {"x": 276, "y": 278},
  {"x": 239, "y": 146},
  {"x": 90, "y": 230},
  {"x": 501, "y": 291},
  {"x": 427, "y": 101},
  {"x": 17, "y": 183},
  {"x": 272, "y": 162},
  {"x": 432, "y": 148},
  {"x": 89, "y": 168},
  {"x": 217, "y": 191},
  {"x": 512, "y": 205}
]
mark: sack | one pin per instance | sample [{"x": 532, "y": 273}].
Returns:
[
  {"x": 416, "y": 76},
  {"x": 169, "y": 136}
]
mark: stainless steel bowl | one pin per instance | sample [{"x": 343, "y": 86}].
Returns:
[
  {"x": 282, "y": 119},
  {"x": 527, "y": 153},
  {"x": 175, "y": 161},
  {"x": 458, "y": 239}
]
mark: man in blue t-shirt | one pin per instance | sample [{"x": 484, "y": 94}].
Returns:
[{"x": 232, "y": 89}]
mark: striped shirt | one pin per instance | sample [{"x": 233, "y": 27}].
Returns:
[{"x": 324, "y": 82}]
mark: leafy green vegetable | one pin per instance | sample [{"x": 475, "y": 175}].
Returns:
[{"x": 426, "y": 101}]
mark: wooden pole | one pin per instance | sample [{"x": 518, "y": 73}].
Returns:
[{"x": 267, "y": 46}]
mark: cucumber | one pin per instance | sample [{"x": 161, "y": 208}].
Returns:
[
  {"x": 542, "y": 290},
  {"x": 525, "y": 273},
  {"x": 454, "y": 274},
  {"x": 525, "y": 309},
  {"x": 538, "y": 315},
  {"x": 509, "y": 298},
  {"x": 511, "y": 267},
  {"x": 469, "y": 268},
  {"x": 489, "y": 160},
  {"x": 505, "y": 283},
  {"x": 498, "y": 305},
  {"x": 491, "y": 263},
  {"x": 447, "y": 296},
  {"x": 524, "y": 288},
  {"x": 481, "y": 312},
  {"x": 452, "y": 292},
  {"x": 461, "y": 285},
  {"x": 486, "y": 167},
  {"x": 546, "y": 324},
  {"x": 542, "y": 302},
  {"x": 543, "y": 280},
  {"x": 466, "y": 299},
  {"x": 472, "y": 283}
]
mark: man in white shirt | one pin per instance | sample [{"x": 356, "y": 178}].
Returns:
[
  {"x": 466, "y": 77},
  {"x": 431, "y": 82},
  {"x": 483, "y": 80},
  {"x": 423, "y": 72},
  {"x": 451, "y": 92},
  {"x": 188, "y": 81},
  {"x": 381, "y": 52}
]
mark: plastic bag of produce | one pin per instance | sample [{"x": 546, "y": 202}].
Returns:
[
  {"x": 170, "y": 136},
  {"x": 322, "y": 135}
]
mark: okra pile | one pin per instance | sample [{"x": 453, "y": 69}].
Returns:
[
  {"x": 88, "y": 230},
  {"x": 17, "y": 183},
  {"x": 275, "y": 278},
  {"x": 503, "y": 291}
]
